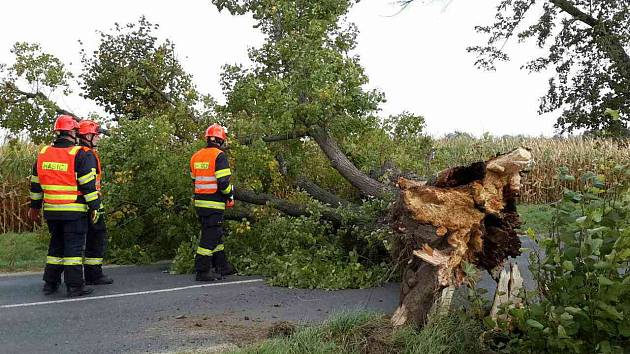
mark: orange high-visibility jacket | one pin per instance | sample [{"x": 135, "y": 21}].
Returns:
[
  {"x": 202, "y": 168},
  {"x": 56, "y": 172},
  {"x": 99, "y": 170}
]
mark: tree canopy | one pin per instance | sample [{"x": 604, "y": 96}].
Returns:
[
  {"x": 585, "y": 43},
  {"x": 26, "y": 88}
]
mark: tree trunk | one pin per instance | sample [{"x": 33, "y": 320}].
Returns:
[
  {"x": 463, "y": 214},
  {"x": 340, "y": 162}
]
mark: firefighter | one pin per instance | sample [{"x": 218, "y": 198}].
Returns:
[
  {"x": 64, "y": 183},
  {"x": 96, "y": 242},
  {"x": 210, "y": 171}
]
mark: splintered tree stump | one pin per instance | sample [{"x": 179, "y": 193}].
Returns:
[{"x": 463, "y": 214}]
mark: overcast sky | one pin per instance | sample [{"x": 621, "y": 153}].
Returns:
[{"x": 417, "y": 58}]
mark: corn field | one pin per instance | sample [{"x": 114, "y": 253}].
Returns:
[
  {"x": 540, "y": 186},
  {"x": 16, "y": 159}
]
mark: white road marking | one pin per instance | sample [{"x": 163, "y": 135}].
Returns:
[{"x": 129, "y": 294}]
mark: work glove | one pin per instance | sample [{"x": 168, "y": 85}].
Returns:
[
  {"x": 35, "y": 215},
  {"x": 96, "y": 215},
  {"x": 229, "y": 203}
]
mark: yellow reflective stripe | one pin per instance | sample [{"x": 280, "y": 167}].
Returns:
[
  {"x": 35, "y": 179},
  {"x": 74, "y": 150},
  {"x": 72, "y": 260},
  {"x": 70, "y": 197},
  {"x": 65, "y": 207},
  {"x": 223, "y": 173},
  {"x": 206, "y": 252},
  {"x": 54, "y": 187},
  {"x": 227, "y": 190},
  {"x": 93, "y": 261},
  {"x": 209, "y": 204},
  {"x": 87, "y": 178},
  {"x": 43, "y": 150},
  {"x": 91, "y": 196},
  {"x": 36, "y": 196},
  {"x": 54, "y": 260}
]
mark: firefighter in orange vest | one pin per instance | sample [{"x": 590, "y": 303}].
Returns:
[
  {"x": 96, "y": 242},
  {"x": 64, "y": 183},
  {"x": 210, "y": 171}
]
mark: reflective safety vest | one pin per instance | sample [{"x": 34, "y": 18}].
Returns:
[
  {"x": 202, "y": 170},
  {"x": 99, "y": 170},
  {"x": 57, "y": 177}
]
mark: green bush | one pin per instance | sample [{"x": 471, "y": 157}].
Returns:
[
  {"x": 583, "y": 275},
  {"x": 300, "y": 252},
  {"x": 147, "y": 191}
]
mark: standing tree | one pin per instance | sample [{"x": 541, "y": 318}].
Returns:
[
  {"x": 26, "y": 88},
  {"x": 587, "y": 44},
  {"x": 133, "y": 75}
]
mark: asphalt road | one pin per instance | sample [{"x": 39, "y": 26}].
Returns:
[{"x": 149, "y": 310}]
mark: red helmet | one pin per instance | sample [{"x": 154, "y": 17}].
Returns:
[
  {"x": 216, "y": 131},
  {"x": 65, "y": 123},
  {"x": 88, "y": 127}
]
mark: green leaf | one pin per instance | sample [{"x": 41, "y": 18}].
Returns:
[
  {"x": 624, "y": 328},
  {"x": 573, "y": 310},
  {"x": 534, "y": 324},
  {"x": 605, "y": 281},
  {"x": 612, "y": 113},
  {"x": 610, "y": 310},
  {"x": 562, "y": 333},
  {"x": 568, "y": 266},
  {"x": 566, "y": 317}
]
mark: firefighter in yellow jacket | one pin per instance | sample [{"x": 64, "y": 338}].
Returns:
[{"x": 210, "y": 171}]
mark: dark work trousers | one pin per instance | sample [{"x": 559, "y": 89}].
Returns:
[
  {"x": 211, "y": 241},
  {"x": 65, "y": 252},
  {"x": 95, "y": 246}
]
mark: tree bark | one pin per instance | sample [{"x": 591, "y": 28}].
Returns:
[
  {"x": 463, "y": 214},
  {"x": 282, "y": 205},
  {"x": 312, "y": 188},
  {"x": 340, "y": 162}
]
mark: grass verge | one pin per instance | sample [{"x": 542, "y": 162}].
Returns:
[
  {"x": 22, "y": 252},
  {"x": 363, "y": 332}
]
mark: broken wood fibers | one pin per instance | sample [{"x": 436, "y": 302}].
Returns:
[{"x": 464, "y": 214}]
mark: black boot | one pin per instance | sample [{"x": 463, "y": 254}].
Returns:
[
  {"x": 103, "y": 280},
  {"x": 222, "y": 265},
  {"x": 74, "y": 291},
  {"x": 50, "y": 288},
  {"x": 207, "y": 276}
]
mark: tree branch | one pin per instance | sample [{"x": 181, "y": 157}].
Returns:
[
  {"x": 297, "y": 134},
  {"x": 611, "y": 45},
  {"x": 313, "y": 189},
  {"x": 340, "y": 162},
  {"x": 12, "y": 87},
  {"x": 168, "y": 98},
  {"x": 282, "y": 205}
]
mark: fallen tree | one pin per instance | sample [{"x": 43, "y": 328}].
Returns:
[{"x": 464, "y": 214}]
